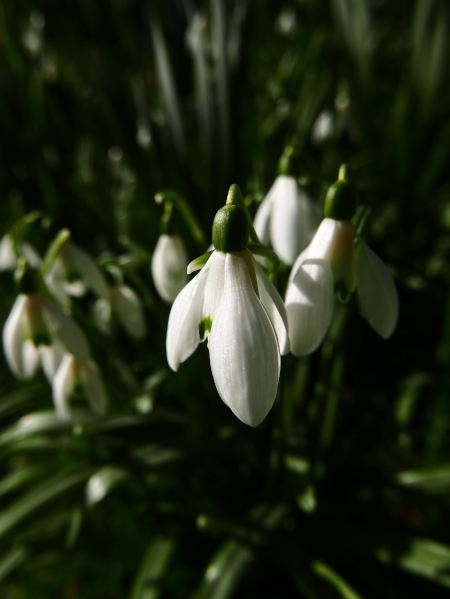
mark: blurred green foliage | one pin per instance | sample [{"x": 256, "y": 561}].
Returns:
[{"x": 344, "y": 489}]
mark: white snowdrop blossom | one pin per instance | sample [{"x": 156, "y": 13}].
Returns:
[
  {"x": 323, "y": 128},
  {"x": 78, "y": 378},
  {"x": 126, "y": 304},
  {"x": 233, "y": 304},
  {"x": 169, "y": 263},
  {"x": 36, "y": 331},
  {"x": 286, "y": 219},
  {"x": 330, "y": 264},
  {"x": 8, "y": 259},
  {"x": 73, "y": 273}
]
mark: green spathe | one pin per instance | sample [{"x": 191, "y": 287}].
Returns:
[
  {"x": 230, "y": 230},
  {"x": 340, "y": 201}
]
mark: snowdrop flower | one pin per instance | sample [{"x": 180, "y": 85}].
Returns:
[
  {"x": 78, "y": 378},
  {"x": 286, "y": 219},
  {"x": 323, "y": 128},
  {"x": 233, "y": 304},
  {"x": 34, "y": 333},
  {"x": 73, "y": 273},
  {"x": 169, "y": 263},
  {"x": 8, "y": 258},
  {"x": 332, "y": 264},
  {"x": 127, "y": 306}
]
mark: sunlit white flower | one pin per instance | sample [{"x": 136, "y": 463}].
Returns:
[
  {"x": 323, "y": 128},
  {"x": 8, "y": 259},
  {"x": 73, "y": 273},
  {"x": 127, "y": 306},
  {"x": 169, "y": 263},
  {"x": 286, "y": 219},
  {"x": 331, "y": 264},
  {"x": 78, "y": 378},
  {"x": 34, "y": 333},
  {"x": 233, "y": 303}
]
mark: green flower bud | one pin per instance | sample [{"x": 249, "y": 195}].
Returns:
[
  {"x": 230, "y": 230},
  {"x": 340, "y": 202}
]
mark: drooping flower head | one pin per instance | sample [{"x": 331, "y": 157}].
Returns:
[
  {"x": 72, "y": 273},
  {"x": 286, "y": 218},
  {"x": 235, "y": 306},
  {"x": 169, "y": 263},
  {"x": 337, "y": 262}
]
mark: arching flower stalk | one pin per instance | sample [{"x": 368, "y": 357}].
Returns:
[
  {"x": 234, "y": 305},
  {"x": 337, "y": 261}
]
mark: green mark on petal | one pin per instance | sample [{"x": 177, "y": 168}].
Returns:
[{"x": 204, "y": 327}]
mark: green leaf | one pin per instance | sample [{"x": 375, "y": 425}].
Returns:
[
  {"x": 12, "y": 560},
  {"x": 40, "y": 496},
  {"x": 433, "y": 480},
  {"x": 152, "y": 570},
  {"x": 102, "y": 482},
  {"x": 344, "y": 589}
]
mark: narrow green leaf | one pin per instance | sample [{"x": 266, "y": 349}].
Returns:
[
  {"x": 344, "y": 589},
  {"x": 53, "y": 251},
  {"x": 102, "y": 482},
  {"x": 153, "y": 568},
  {"x": 38, "y": 497},
  {"x": 12, "y": 560}
]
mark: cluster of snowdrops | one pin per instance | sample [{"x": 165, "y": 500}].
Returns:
[{"x": 231, "y": 301}]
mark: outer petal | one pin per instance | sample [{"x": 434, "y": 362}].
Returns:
[
  {"x": 243, "y": 348},
  {"x": 290, "y": 223},
  {"x": 169, "y": 263},
  {"x": 13, "y": 336},
  {"x": 31, "y": 255},
  {"x": 91, "y": 274},
  {"x": 128, "y": 306},
  {"x": 63, "y": 384},
  {"x": 7, "y": 257},
  {"x": 91, "y": 380},
  {"x": 272, "y": 302},
  {"x": 261, "y": 222},
  {"x": 30, "y": 359},
  {"x": 213, "y": 293},
  {"x": 182, "y": 331},
  {"x": 51, "y": 357},
  {"x": 376, "y": 292},
  {"x": 66, "y": 331},
  {"x": 55, "y": 283},
  {"x": 309, "y": 302}
]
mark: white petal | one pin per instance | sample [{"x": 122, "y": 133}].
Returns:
[
  {"x": 243, "y": 348},
  {"x": 261, "y": 222},
  {"x": 309, "y": 302},
  {"x": 102, "y": 314},
  {"x": 63, "y": 384},
  {"x": 30, "y": 359},
  {"x": 13, "y": 332},
  {"x": 169, "y": 264},
  {"x": 51, "y": 357},
  {"x": 31, "y": 255},
  {"x": 67, "y": 332},
  {"x": 55, "y": 283},
  {"x": 290, "y": 226},
  {"x": 214, "y": 288},
  {"x": 91, "y": 275},
  {"x": 129, "y": 308},
  {"x": 182, "y": 331},
  {"x": 92, "y": 383},
  {"x": 7, "y": 257},
  {"x": 323, "y": 128},
  {"x": 376, "y": 292},
  {"x": 272, "y": 302}
]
